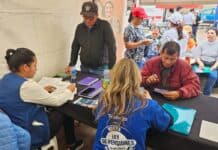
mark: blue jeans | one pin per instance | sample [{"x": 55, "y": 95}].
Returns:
[
  {"x": 211, "y": 81},
  {"x": 97, "y": 71}
]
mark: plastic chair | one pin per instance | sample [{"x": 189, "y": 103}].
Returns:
[{"x": 53, "y": 144}]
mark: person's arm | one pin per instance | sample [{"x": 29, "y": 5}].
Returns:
[
  {"x": 200, "y": 63},
  {"x": 190, "y": 83},
  {"x": 160, "y": 119},
  {"x": 32, "y": 92},
  {"x": 75, "y": 49},
  {"x": 111, "y": 44},
  {"x": 197, "y": 52},
  {"x": 146, "y": 72},
  {"x": 132, "y": 45},
  {"x": 215, "y": 66},
  {"x": 74, "y": 53}
]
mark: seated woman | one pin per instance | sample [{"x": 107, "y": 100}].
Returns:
[
  {"x": 22, "y": 99},
  {"x": 12, "y": 137},
  {"x": 126, "y": 111},
  {"x": 206, "y": 54}
]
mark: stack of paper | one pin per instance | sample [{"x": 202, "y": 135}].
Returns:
[
  {"x": 209, "y": 131},
  {"x": 56, "y": 82}
]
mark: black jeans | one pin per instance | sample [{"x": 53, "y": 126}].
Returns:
[{"x": 56, "y": 120}]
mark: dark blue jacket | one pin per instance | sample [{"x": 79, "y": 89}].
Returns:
[{"x": 21, "y": 113}]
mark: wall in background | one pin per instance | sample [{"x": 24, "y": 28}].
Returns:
[{"x": 46, "y": 27}]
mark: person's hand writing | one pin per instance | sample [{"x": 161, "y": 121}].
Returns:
[
  {"x": 50, "y": 88},
  {"x": 72, "y": 87},
  {"x": 68, "y": 69},
  {"x": 152, "y": 79},
  {"x": 172, "y": 95}
]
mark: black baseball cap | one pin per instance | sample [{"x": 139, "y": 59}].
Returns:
[{"x": 89, "y": 9}]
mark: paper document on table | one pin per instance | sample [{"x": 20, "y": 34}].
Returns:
[
  {"x": 209, "y": 131},
  {"x": 206, "y": 69},
  {"x": 56, "y": 82},
  {"x": 161, "y": 91},
  {"x": 86, "y": 102}
]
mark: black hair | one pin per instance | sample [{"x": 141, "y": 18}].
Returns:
[
  {"x": 130, "y": 17},
  {"x": 171, "y": 48},
  {"x": 179, "y": 28},
  {"x": 180, "y": 31},
  {"x": 171, "y": 10},
  {"x": 178, "y": 8},
  {"x": 18, "y": 57},
  {"x": 214, "y": 29},
  {"x": 192, "y": 10},
  {"x": 155, "y": 27}
]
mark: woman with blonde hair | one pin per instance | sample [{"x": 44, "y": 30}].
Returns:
[{"x": 126, "y": 111}]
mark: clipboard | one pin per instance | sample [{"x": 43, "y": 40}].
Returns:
[
  {"x": 88, "y": 81},
  {"x": 91, "y": 91},
  {"x": 196, "y": 69}
]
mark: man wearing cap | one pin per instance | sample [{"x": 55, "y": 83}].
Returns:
[
  {"x": 135, "y": 38},
  {"x": 94, "y": 41}
]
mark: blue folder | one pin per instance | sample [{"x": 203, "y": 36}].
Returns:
[
  {"x": 196, "y": 69},
  {"x": 182, "y": 118}
]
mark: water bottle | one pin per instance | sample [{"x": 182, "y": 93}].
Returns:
[
  {"x": 106, "y": 78},
  {"x": 73, "y": 74}
]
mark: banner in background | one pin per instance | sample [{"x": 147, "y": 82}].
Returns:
[{"x": 113, "y": 12}]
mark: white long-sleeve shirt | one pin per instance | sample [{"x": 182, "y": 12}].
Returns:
[
  {"x": 172, "y": 34},
  {"x": 32, "y": 92}
]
